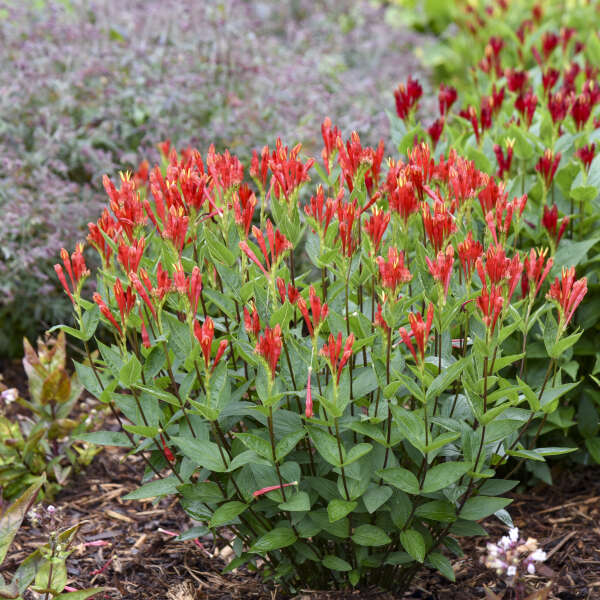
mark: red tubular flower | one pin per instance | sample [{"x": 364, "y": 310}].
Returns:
[
  {"x": 176, "y": 228},
  {"x": 106, "y": 312},
  {"x": 251, "y": 322},
  {"x": 513, "y": 273},
  {"x": 220, "y": 351},
  {"x": 420, "y": 168},
  {"x": 581, "y": 110},
  {"x": 535, "y": 271},
  {"x": 406, "y": 96},
  {"x": 195, "y": 289},
  {"x": 180, "y": 281},
  {"x": 420, "y": 331},
  {"x": 376, "y": 226},
  {"x": 496, "y": 265},
  {"x": 319, "y": 312},
  {"x": 468, "y": 252},
  {"x": 110, "y": 227},
  {"x": 558, "y": 105},
  {"x": 490, "y": 304},
  {"x": 278, "y": 244},
  {"x": 75, "y": 267},
  {"x": 438, "y": 226},
  {"x": 293, "y": 293},
  {"x": 244, "y": 202},
  {"x": 141, "y": 290},
  {"x": 125, "y": 204},
  {"x": 130, "y": 256},
  {"x": 347, "y": 213},
  {"x": 309, "y": 400},
  {"x": 272, "y": 488},
  {"x": 550, "y": 223},
  {"x": 568, "y": 294},
  {"x": 500, "y": 219},
  {"x": 166, "y": 450},
  {"x": 145, "y": 336},
  {"x": 322, "y": 210},
  {"x": 526, "y": 105},
  {"x": 435, "y": 130},
  {"x": 355, "y": 160},
  {"x": 586, "y": 155},
  {"x": 549, "y": 41},
  {"x": 446, "y": 98},
  {"x": 125, "y": 300},
  {"x": 441, "y": 269},
  {"x": 380, "y": 321},
  {"x": 259, "y": 168},
  {"x": 280, "y": 284},
  {"x": 225, "y": 170},
  {"x": 289, "y": 173},
  {"x": 164, "y": 285},
  {"x": 470, "y": 114},
  {"x": 504, "y": 163},
  {"x": 547, "y": 165},
  {"x": 331, "y": 351},
  {"x": 269, "y": 346},
  {"x": 463, "y": 180},
  {"x": 393, "y": 273},
  {"x": 330, "y": 137},
  {"x": 549, "y": 79},
  {"x": 402, "y": 198},
  {"x": 204, "y": 334}
]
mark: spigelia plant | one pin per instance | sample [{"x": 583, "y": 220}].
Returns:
[
  {"x": 333, "y": 374},
  {"x": 529, "y": 115},
  {"x": 43, "y": 440}
]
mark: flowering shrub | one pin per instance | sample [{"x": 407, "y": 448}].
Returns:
[
  {"x": 529, "y": 115},
  {"x": 91, "y": 87},
  {"x": 336, "y": 381},
  {"x": 44, "y": 441}
]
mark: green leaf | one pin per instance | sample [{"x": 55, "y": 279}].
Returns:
[
  {"x": 401, "y": 478},
  {"x": 326, "y": 445},
  {"x": 253, "y": 442},
  {"x": 370, "y": 535},
  {"x": 202, "y": 453},
  {"x": 79, "y": 594},
  {"x": 335, "y": 563},
  {"x": 357, "y": 452},
  {"x": 279, "y": 537},
  {"x": 480, "y": 507},
  {"x": 412, "y": 541},
  {"x": 106, "y": 438},
  {"x": 551, "y": 395},
  {"x": 217, "y": 249},
  {"x": 287, "y": 444},
  {"x": 12, "y": 517},
  {"x": 131, "y": 372},
  {"x": 337, "y": 509},
  {"x": 437, "y": 510},
  {"x": 226, "y": 513},
  {"x": 377, "y": 496},
  {"x": 593, "y": 447},
  {"x": 445, "y": 378},
  {"x": 444, "y": 475},
  {"x": 89, "y": 322},
  {"x": 300, "y": 502},
  {"x": 160, "y": 487},
  {"x": 442, "y": 564}
]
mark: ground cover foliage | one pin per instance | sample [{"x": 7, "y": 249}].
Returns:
[
  {"x": 527, "y": 111},
  {"x": 91, "y": 87}
]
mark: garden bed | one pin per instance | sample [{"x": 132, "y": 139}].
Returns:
[{"x": 140, "y": 560}]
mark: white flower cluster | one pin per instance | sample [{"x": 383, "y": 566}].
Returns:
[
  {"x": 9, "y": 395},
  {"x": 513, "y": 555}
]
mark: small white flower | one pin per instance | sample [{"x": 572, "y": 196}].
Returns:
[
  {"x": 531, "y": 568},
  {"x": 9, "y": 395},
  {"x": 511, "y": 571},
  {"x": 538, "y": 555},
  {"x": 513, "y": 534},
  {"x": 504, "y": 542},
  {"x": 50, "y": 509}
]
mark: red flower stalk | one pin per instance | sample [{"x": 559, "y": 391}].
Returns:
[
  {"x": 269, "y": 346},
  {"x": 470, "y": 114},
  {"x": 568, "y": 294},
  {"x": 516, "y": 80},
  {"x": 393, "y": 272},
  {"x": 468, "y": 252},
  {"x": 330, "y": 137},
  {"x": 586, "y": 155},
  {"x": 435, "y": 130},
  {"x": 319, "y": 312},
  {"x": 195, "y": 290},
  {"x": 496, "y": 265},
  {"x": 498, "y": 222},
  {"x": 110, "y": 227},
  {"x": 380, "y": 321},
  {"x": 289, "y": 173},
  {"x": 376, "y": 226},
  {"x": 535, "y": 271},
  {"x": 130, "y": 256},
  {"x": 106, "y": 312},
  {"x": 176, "y": 228},
  {"x": 558, "y": 105},
  {"x": 331, "y": 351},
  {"x": 438, "y": 226},
  {"x": 125, "y": 300},
  {"x": 141, "y": 290},
  {"x": 251, "y": 322},
  {"x": 244, "y": 202},
  {"x": 125, "y": 204},
  {"x": 180, "y": 281},
  {"x": 566, "y": 33},
  {"x": 549, "y": 79},
  {"x": 402, "y": 199},
  {"x": 293, "y": 293},
  {"x": 513, "y": 273},
  {"x": 309, "y": 400},
  {"x": 549, "y": 41},
  {"x": 581, "y": 110},
  {"x": 356, "y": 160},
  {"x": 504, "y": 163},
  {"x": 441, "y": 269},
  {"x": 163, "y": 283},
  {"x": 446, "y": 98},
  {"x": 547, "y": 165},
  {"x": 550, "y": 223},
  {"x": 420, "y": 168},
  {"x": 272, "y": 488},
  {"x": 463, "y": 180},
  {"x": 407, "y": 96},
  {"x": 259, "y": 167},
  {"x": 347, "y": 213},
  {"x": 322, "y": 210},
  {"x": 205, "y": 335},
  {"x": 145, "y": 337},
  {"x": 225, "y": 170},
  {"x": 420, "y": 331},
  {"x": 526, "y": 105},
  {"x": 278, "y": 244},
  {"x": 280, "y": 284},
  {"x": 166, "y": 450},
  {"x": 490, "y": 304},
  {"x": 75, "y": 267}
]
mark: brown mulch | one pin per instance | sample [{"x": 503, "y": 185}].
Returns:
[{"x": 140, "y": 561}]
